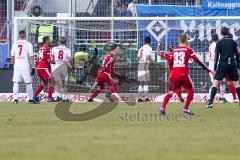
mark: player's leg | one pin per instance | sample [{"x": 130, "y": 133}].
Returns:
[
  {"x": 64, "y": 78},
  {"x": 188, "y": 84},
  {"x": 141, "y": 79},
  {"x": 112, "y": 85},
  {"x": 101, "y": 84},
  {"x": 44, "y": 81},
  {"x": 28, "y": 81},
  {"x": 16, "y": 79},
  {"x": 146, "y": 86},
  {"x": 211, "y": 67},
  {"x": 233, "y": 75},
  {"x": 232, "y": 90},
  {"x": 140, "y": 91},
  {"x": 222, "y": 90},
  {"x": 166, "y": 99},
  {"x": 174, "y": 85},
  {"x": 220, "y": 74},
  {"x": 58, "y": 91},
  {"x": 179, "y": 94},
  {"x": 50, "y": 90}
]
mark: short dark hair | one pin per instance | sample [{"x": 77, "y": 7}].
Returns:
[
  {"x": 230, "y": 35},
  {"x": 114, "y": 46},
  {"x": 62, "y": 40},
  {"x": 22, "y": 34},
  {"x": 224, "y": 31},
  {"x": 45, "y": 39},
  {"x": 215, "y": 37},
  {"x": 147, "y": 40}
]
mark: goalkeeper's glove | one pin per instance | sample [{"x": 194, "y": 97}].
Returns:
[
  {"x": 32, "y": 71},
  {"x": 72, "y": 79},
  {"x": 93, "y": 45},
  {"x": 171, "y": 48}
]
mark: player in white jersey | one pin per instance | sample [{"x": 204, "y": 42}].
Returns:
[
  {"x": 144, "y": 57},
  {"x": 62, "y": 56},
  {"x": 23, "y": 60}
]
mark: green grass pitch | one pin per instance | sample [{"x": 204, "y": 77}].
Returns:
[{"x": 33, "y": 132}]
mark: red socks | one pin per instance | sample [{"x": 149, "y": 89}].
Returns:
[
  {"x": 39, "y": 89},
  {"x": 232, "y": 90},
  {"x": 50, "y": 91},
  {"x": 189, "y": 98},
  {"x": 95, "y": 93},
  {"x": 166, "y": 99}
]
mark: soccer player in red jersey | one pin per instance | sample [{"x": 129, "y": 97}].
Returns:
[
  {"x": 179, "y": 74},
  {"x": 168, "y": 58},
  {"x": 43, "y": 69},
  {"x": 105, "y": 74}
]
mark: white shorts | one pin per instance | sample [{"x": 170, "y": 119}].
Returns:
[
  {"x": 211, "y": 67},
  {"x": 60, "y": 73},
  {"x": 18, "y": 76},
  {"x": 143, "y": 72}
]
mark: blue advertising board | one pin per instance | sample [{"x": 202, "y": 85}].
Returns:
[
  {"x": 221, "y": 4},
  {"x": 199, "y": 31}
]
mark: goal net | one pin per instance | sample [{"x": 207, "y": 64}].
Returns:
[{"x": 129, "y": 33}]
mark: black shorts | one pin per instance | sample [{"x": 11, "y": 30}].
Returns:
[{"x": 225, "y": 69}]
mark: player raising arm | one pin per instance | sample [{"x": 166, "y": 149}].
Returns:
[
  {"x": 168, "y": 58},
  {"x": 23, "y": 61},
  {"x": 179, "y": 76},
  {"x": 105, "y": 74},
  {"x": 43, "y": 69},
  {"x": 62, "y": 57}
]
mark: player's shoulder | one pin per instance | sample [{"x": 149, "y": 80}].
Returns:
[{"x": 148, "y": 47}]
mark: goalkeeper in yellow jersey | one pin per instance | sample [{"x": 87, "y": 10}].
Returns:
[{"x": 84, "y": 63}]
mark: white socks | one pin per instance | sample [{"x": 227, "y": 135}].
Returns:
[
  {"x": 15, "y": 90},
  {"x": 29, "y": 90},
  {"x": 222, "y": 90},
  {"x": 143, "y": 91}
]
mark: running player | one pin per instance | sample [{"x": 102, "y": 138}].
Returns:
[
  {"x": 179, "y": 76},
  {"x": 168, "y": 58},
  {"x": 105, "y": 74}
]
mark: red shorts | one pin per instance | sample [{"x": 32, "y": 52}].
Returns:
[
  {"x": 179, "y": 81},
  {"x": 105, "y": 78},
  {"x": 43, "y": 73}
]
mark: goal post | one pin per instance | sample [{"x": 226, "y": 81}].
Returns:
[{"x": 129, "y": 32}]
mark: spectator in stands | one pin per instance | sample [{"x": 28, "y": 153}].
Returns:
[
  {"x": 116, "y": 7},
  {"x": 124, "y": 12},
  {"x": 131, "y": 8}
]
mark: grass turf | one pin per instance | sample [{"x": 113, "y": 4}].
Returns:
[{"x": 34, "y": 132}]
